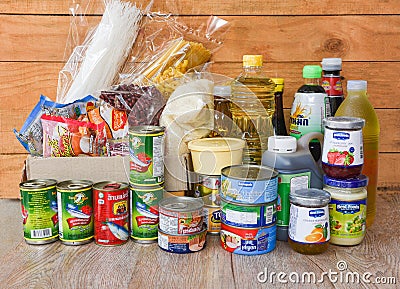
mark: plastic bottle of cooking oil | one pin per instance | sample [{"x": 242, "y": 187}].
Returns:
[
  {"x": 356, "y": 104},
  {"x": 252, "y": 108}
]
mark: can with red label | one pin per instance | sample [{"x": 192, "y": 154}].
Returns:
[{"x": 111, "y": 213}]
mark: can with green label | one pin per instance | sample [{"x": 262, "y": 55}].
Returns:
[
  {"x": 75, "y": 212},
  {"x": 146, "y": 150},
  {"x": 39, "y": 211},
  {"x": 144, "y": 213}
]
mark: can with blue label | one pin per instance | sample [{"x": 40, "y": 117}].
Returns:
[
  {"x": 248, "y": 241},
  {"x": 248, "y": 216},
  {"x": 249, "y": 184}
]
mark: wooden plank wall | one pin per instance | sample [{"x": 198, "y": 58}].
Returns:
[{"x": 290, "y": 34}]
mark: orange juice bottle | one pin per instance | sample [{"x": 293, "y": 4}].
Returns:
[{"x": 356, "y": 104}]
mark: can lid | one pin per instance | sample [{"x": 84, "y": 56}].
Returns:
[
  {"x": 146, "y": 129},
  {"x": 357, "y": 85},
  {"x": 37, "y": 184},
  {"x": 71, "y": 185},
  {"x": 249, "y": 172},
  {"x": 312, "y": 71},
  {"x": 310, "y": 197},
  {"x": 331, "y": 64},
  {"x": 222, "y": 90},
  {"x": 110, "y": 186},
  {"x": 358, "y": 182},
  {"x": 216, "y": 144},
  {"x": 182, "y": 204},
  {"x": 282, "y": 144},
  {"x": 344, "y": 122},
  {"x": 252, "y": 60}
]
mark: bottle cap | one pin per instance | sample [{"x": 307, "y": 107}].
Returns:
[
  {"x": 357, "y": 85},
  {"x": 222, "y": 90},
  {"x": 344, "y": 122},
  {"x": 282, "y": 144},
  {"x": 252, "y": 60},
  {"x": 279, "y": 83},
  {"x": 310, "y": 197},
  {"x": 331, "y": 64},
  {"x": 358, "y": 182},
  {"x": 312, "y": 71}
]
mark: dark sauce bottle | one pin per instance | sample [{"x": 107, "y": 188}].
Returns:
[
  {"x": 332, "y": 82},
  {"x": 278, "y": 120}
]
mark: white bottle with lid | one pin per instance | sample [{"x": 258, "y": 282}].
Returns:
[{"x": 297, "y": 170}]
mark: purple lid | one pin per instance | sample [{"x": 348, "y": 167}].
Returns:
[{"x": 358, "y": 182}]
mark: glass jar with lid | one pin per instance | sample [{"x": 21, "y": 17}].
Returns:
[{"x": 347, "y": 209}]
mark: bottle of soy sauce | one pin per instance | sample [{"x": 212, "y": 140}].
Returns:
[
  {"x": 278, "y": 120},
  {"x": 332, "y": 82}
]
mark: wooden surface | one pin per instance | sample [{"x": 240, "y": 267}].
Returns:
[
  {"x": 134, "y": 265},
  {"x": 288, "y": 33}
]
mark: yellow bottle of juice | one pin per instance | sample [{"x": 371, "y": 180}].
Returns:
[{"x": 356, "y": 104}]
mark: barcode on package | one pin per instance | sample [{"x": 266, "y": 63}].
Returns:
[
  {"x": 269, "y": 214},
  {"x": 43, "y": 233}
]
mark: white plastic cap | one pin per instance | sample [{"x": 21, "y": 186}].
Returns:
[
  {"x": 221, "y": 90},
  {"x": 331, "y": 64},
  {"x": 357, "y": 85},
  {"x": 282, "y": 144}
]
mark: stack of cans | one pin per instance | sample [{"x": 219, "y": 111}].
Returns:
[{"x": 146, "y": 150}]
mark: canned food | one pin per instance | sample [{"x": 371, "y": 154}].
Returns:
[
  {"x": 144, "y": 213},
  {"x": 146, "y": 149},
  {"x": 182, "y": 244},
  {"x": 212, "y": 219},
  {"x": 75, "y": 212},
  {"x": 249, "y": 184},
  {"x": 246, "y": 241},
  {"x": 207, "y": 188},
  {"x": 181, "y": 215},
  {"x": 111, "y": 213},
  {"x": 39, "y": 211},
  {"x": 248, "y": 216}
]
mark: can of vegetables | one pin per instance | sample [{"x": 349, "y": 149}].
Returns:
[
  {"x": 111, "y": 213},
  {"x": 146, "y": 150}
]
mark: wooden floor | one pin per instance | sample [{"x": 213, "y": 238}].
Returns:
[{"x": 146, "y": 266}]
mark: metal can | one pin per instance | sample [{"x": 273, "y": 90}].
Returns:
[
  {"x": 212, "y": 219},
  {"x": 39, "y": 211},
  {"x": 144, "y": 213},
  {"x": 182, "y": 243},
  {"x": 249, "y": 184},
  {"x": 75, "y": 212},
  {"x": 181, "y": 215},
  {"x": 111, "y": 213},
  {"x": 248, "y": 241},
  {"x": 146, "y": 149},
  {"x": 248, "y": 215},
  {"x": 207, "y": 187}
]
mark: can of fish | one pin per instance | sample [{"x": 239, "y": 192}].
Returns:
[
  {"x": 212, "y": 219},
  {"x": 248, "y": 215},
  {"x": 181, "y": 215},
  {"x": 144, "y": 213},
  {"x": 246, "y": 241},
  {"x": 39, "y": 211},
  {"x": 111, "y": 213},
  {"x": 207, "y": 187},
  {"x": 75, "y": 212},
  {"x": 146, "y": 149},
  {"x": 249, "y": 184},
  {"x": 182, "y": 243}
]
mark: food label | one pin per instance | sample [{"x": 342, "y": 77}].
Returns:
[
  {"x": 144, "y": 213},
  {"x": 348, "y": 218},
  {"x": 75, "y": 212},
  {"x": 332, "y": 85},
  {"x": 309, "y": 225},
  {"x": 343, "y": 148},
  {"x": 39, "y": 212},
  {"x": 182, "y": 244},
  {"x": 208, "y": 189},
  {"x": 288, "y": 183},
  {"x": 212, "y": 219},
  {"x": 308, "y": 111}
]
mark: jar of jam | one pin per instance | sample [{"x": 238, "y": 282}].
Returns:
[
  {"x": 309, "y": 231},
  {"x": 347, "y": 209},
  {"x": 342, "y": 154}
]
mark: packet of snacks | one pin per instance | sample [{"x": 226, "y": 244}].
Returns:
[{"x": 65, "y": 137}]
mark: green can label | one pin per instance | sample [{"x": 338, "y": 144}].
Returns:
[
  {"x": 289, "y": 183},
  {"x": 75, "y": 212},
  {"x": 347, "y": 218},
  {"x": 144, "y": 213},
  {"x": 146, "y": 158},
  {"x": 39, "y": 212}
]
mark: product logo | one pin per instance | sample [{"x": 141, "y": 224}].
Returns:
[
  {"x": 216, "y": 217},
  {"x": 316, "y": 213},
  {"x": 248, "y": 245},
  {"x": 246, "y": 184},
  {"x": 348, "y": 208},
  {"x": 341, "y": 135},
  {"x": 136, "y": 142},
  {"x": 79, "y": 198}
]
